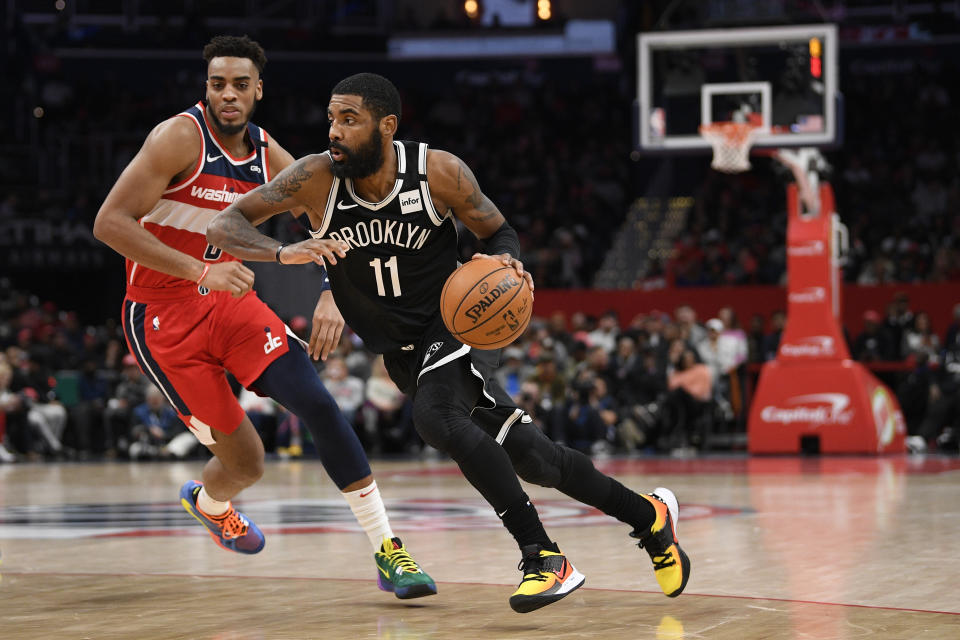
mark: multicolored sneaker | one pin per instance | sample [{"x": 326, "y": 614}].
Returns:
[
  {"x": 233, "y": 531},
  {"x": 670, "y": 564},
  {"x": 399, "y": 573},
  {"x": 547, "y": 577}
]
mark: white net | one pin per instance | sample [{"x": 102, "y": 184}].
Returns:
[{"x": 731, "y": 144}]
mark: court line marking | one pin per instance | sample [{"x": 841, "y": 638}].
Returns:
[{"x": 212, "y": 576}]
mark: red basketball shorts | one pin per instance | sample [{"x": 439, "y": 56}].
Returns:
[{"x": 184, "y": 345}]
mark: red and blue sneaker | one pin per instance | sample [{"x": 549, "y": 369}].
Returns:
[{"x": 232, "y": 530}]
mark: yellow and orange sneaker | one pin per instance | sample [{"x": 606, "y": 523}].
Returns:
[
  {"x": 670, "y": 564},
  {"x": 547, "y": 577}
]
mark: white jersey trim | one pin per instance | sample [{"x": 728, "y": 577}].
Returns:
[
  {"x": 450, "y": 357},
  {"x": 203, "y": 156},
  {"x": 435, "y": 217},
  {"x": 401, "y": 169},
  {"x": 238, "y": 162},
  {"x": 328, "y": 210},
  {"x": 264, "y": 156},
  {"x": 505, "y": 428}
]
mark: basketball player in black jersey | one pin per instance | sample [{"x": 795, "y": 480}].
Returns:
[{"x": 395, "y": 204}]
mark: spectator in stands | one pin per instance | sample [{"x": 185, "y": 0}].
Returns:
[
  {"x": 263, "y": 413},
  {"x": 14, "y": 415},
  {"x": 387, "y": 421},
  {"x": 154, "y": 424},
  {"x": 583, "y": 425},
  {"x": 722, "y": 354},
  {"x": 953, "y": 331},
  {"x": 689, "y": 385},
  {"x": 686, "y": 320},
  {"x": 873, "y": 344},
  {"x": 917, "y": 392},
  {"x": 346, "y": 389},
  {"x": 771, "y": 343},
  {"x": 755, "y": 339},
  {"x": 898, "y": 320},
  {"x": 551, "y": 394},
  {"x": 87, "y": 415},
  {"x": 45, "y": 415},
  {"x": 130, "y": 392},
  {"x": 920, "y": 338},
  {"x": 514, "y": 370},
  {"x": 607, "y": 331}
]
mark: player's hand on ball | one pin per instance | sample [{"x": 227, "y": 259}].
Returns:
[
  {"x": 229, "y": 276},
  {"x": 313, "y": 250},
  {"x": 327, "y": 327},
  {"x": 509, "y": 261}
]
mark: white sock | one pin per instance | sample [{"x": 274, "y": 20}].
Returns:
[
  {"x": 367, "y": 507},
  {"x": 210, "y": 506}
]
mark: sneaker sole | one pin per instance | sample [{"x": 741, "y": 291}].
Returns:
[
  {"x": 526, "y": 604},
  {"x": 406, "y": 593}
]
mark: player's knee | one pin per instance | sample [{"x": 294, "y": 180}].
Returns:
[
  {"x": 431, "y": 423},
  {"x": 532, "y": 467},
  {"x": 443, "y": 423}
]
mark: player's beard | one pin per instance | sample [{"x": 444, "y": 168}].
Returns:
[
  {"x": 361, "y": 162},
  {"x": 231, "y": 129}
]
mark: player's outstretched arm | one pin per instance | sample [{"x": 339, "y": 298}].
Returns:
[
  {"x": 454, "y": 186},
  {"x": 296, "y": 187},
  {"x": 170, "y": 152}
]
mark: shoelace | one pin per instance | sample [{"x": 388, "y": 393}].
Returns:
[
  {"x": 533, "y": 568},
  {"x": 400, "y": 558},
  {"x": 233, "y": 525},
  {"x": 658, "y": 548}
]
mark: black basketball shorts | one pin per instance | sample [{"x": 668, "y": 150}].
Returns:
[{"x": 496, "y": 412}]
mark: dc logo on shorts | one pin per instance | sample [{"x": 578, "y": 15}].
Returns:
[
  {"x": 272, "y": 343},
  {"x": 202, "y": 290}
]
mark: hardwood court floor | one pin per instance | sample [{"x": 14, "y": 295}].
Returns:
[{"x": 820, "y": 548}]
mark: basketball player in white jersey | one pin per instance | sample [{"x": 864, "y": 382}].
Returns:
[
  {"x": 190, "y": 312},
  {"x": 394, "y": 203}
]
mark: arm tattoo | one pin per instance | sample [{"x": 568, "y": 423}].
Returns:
[
  {"x": 285, "y": 185},
  {"x": 242, "y": 237},
  {"x": 475, "y": 198}
]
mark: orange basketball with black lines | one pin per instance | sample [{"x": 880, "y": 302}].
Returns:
[{"x": 485, "y": 304}]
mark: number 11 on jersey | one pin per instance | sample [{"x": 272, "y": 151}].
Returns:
[{"x": 391, "y": 265}]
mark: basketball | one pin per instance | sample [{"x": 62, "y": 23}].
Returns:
[{"x": 485, "y": 305}]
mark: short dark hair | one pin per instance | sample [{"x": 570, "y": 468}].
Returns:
[
  {"x": 379, "y": 95},
  {"x": 236, "y": 47}
]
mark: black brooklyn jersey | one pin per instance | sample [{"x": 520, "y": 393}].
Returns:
[{"x": 401, "y": 252}]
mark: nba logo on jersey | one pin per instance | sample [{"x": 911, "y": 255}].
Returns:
[{"x": 410, "y": 201}]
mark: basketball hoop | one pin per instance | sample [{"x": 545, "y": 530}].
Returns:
[{"x": 731, "y": 144}]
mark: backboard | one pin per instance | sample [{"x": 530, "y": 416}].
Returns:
[{"x": 783, "y": 79}]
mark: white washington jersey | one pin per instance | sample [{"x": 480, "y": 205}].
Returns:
[
  {"x": 401, "y": 253},
  {"x": 181, "y": 216}
]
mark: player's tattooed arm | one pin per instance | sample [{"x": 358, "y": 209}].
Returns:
[
  {"x": 286, "y": 184},
  {"x": 234, "y": 230},
  {"x": 479, "y": 206},
  {"x": 454, "y": 185}
]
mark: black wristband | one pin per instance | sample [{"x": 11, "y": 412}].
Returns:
[
  {"x": 503, "y": 240},
  {"x": 279, "y": 249}
]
